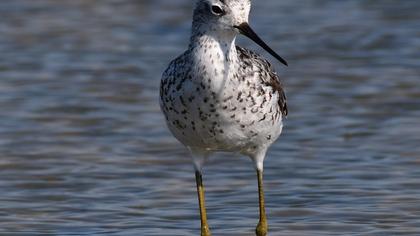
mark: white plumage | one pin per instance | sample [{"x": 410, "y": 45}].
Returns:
[{"x": 217, "y": 96}]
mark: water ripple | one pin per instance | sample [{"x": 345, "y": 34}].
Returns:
[{"x": 85, "y": 150}]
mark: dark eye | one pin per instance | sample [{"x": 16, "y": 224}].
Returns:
[{"x": 217, "y": 10}]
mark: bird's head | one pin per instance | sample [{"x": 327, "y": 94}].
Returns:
[{"x": 227, "y": 18}]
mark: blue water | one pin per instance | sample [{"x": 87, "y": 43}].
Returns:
[{"x": 84, "y": 149}]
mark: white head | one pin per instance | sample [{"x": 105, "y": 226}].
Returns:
[
  {"x": 223, "y": 18},
  {"x": 222, "y": 15}
]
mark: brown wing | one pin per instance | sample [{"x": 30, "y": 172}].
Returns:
[{"x": 268, "y": 76}]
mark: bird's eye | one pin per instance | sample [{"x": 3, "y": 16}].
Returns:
[{"x": 216, "y": 10}]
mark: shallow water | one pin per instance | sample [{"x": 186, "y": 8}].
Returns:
[{"x": 84, "y": 149}]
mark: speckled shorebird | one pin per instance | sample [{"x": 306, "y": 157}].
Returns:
[{"x": 217, "y": 96}]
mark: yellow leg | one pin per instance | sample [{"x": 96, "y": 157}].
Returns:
[
  {"x": 262, "y": 226},
  {"x": 205, "y": 230}
]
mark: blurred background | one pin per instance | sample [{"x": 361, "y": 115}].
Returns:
[{"x": 84, "y": 149}]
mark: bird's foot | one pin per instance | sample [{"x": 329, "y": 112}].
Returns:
[
  {"x": 262, "y": 228},
  {"x": 205, "y": 230}
]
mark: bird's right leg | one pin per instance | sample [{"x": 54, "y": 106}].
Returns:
[{"x": 205, "y": 230}]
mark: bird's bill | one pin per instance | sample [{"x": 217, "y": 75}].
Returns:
[{"x": 246, "y": 30}]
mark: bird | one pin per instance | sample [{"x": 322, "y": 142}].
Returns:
[{"x": 220, "y": 97}]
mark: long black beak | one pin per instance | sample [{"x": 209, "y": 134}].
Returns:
[{"x": 246, "y": 30}]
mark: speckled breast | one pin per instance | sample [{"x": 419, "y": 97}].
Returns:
[{"x": 239, "y": 115}]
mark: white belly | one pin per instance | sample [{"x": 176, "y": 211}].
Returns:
[{"x": 234, "y": 120}]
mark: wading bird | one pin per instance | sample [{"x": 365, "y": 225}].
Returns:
[{"x": 218, "y": 96}]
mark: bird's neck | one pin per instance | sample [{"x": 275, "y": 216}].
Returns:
[
  {"x": 214, "y": 55},
  {"x": 222, "y": 46}
]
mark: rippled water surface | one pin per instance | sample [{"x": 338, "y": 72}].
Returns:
[{"x": 84, "y": 149}]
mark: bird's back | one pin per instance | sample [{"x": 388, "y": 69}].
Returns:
[{"x": 251, "y": 61}]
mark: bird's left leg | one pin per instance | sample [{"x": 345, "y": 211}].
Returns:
[
  {"x": 258, "y": 159},
  {"x": 262, "y": 226}
]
